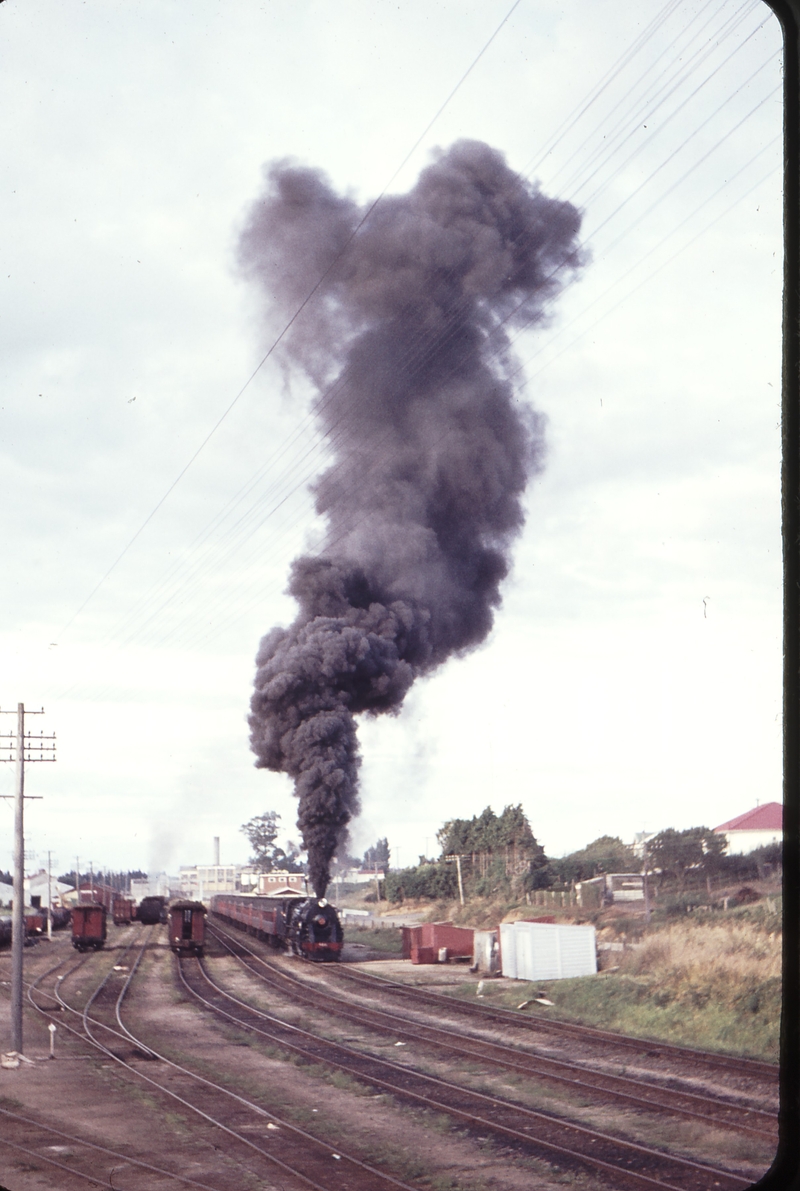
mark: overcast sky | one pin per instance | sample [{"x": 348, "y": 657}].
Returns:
[{"x": 633, "y": 677}]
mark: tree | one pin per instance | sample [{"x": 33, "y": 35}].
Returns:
[
  {"x": 261, "y": 832},
  {"x": 677, "y": 852},
  {"x": 377, "y": 856},
  {"x": 500, "y": 847},
  {"x": 607, "y": 854}
]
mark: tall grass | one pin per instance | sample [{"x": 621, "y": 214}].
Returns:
[
  {"x": 728, "y": 951},
  {"x": 711, "y": 984}
]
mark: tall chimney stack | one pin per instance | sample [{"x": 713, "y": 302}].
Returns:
[{"x": 216, "y": 849}]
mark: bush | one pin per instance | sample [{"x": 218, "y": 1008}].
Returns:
[
  {"x": 431, "y": 881},
  {"x": 683, "y": 903}
]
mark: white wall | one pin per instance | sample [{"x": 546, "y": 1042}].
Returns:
[{"x": 740, "y": 842}]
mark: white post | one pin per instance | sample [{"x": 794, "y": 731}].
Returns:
[
  {"x": 52, "y": 1030},
  {"x": 460, "y": 882},
  {"x": 49, "y": 901}
]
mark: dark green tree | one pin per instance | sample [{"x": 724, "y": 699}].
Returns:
[
  {"x": 377, "y": 857},
  {"x": 677, "y": 853},
  {"x": 607, "y": 854},
  {"x": 500, "y": 848},
  {"x": 261, "y": 832}
]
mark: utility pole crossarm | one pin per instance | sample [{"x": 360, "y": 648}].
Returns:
[{"x": 458, "y": 857}]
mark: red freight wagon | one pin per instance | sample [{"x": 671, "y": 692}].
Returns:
[
  {"x": 187, "y": 927},
  {"x": 88, "y": 927},
  {"x": 36, "y": 923},
  {"x": 123, "y": 911},
  {"x": 423, "y": 944}
]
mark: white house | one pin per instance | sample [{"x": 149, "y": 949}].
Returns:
[{"x": 753, "y": 829}]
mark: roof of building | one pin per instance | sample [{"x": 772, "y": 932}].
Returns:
[{"x": 768, "y": 817}]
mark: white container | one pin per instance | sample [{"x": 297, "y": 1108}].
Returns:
[{"x": 547, "y": 951}]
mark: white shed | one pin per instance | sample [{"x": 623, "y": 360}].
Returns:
[{"x": 547, "y": 951}]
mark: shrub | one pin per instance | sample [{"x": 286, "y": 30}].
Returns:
[{"x": 431, "y": 881}]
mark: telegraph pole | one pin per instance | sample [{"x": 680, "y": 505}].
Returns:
[
  {"x": 22, "y": 746},
  {"x": 457, "y": 858}
]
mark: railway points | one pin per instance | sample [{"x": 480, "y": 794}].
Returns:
[{"x": 302, "y": 1159}]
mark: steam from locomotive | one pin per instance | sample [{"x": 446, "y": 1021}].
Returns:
[{"x": 407, "y": 341}]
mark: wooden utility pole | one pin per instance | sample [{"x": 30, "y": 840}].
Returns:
[
  {"x": 457, "y": 858},
  {"x": 22, "y": 746}
]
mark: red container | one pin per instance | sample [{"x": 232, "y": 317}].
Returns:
[
  {"x": 88, "y": 927},
  {"x": 35, "y": 924}
]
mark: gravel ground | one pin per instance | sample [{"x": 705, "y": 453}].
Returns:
[{"x": 87, "y": 1096}]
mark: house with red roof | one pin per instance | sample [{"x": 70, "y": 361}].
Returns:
[{"x": 753, "y": 829}]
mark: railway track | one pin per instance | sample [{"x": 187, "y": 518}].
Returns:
[
  {"x": 652, "y": 1048},
  {"x": 599, "y": 1085},
  {"x": 544, "y": 1135},
  {"x": 77, "y": 1159},
  {"x": 286, "y": 1153}
]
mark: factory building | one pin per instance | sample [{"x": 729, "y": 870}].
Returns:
[{"x": 198, "y": 881}]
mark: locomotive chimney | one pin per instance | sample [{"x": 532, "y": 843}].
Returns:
[{"x": 216, "y": 849}]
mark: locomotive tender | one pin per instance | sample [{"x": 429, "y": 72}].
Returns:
[{"x": 307, "y": 926}]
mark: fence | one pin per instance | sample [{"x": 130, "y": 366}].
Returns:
[{"x": 552, "y": 897}]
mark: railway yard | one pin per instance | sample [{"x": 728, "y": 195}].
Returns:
[{"x": 244, "y": 1069}]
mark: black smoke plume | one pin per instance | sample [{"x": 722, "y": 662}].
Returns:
[{"x": 407, "y": 340}]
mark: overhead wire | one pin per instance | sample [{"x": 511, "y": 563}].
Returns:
[
  {"x": 309, "y": 297},
  {"x": 305, "y": 480},
  {"x": 638, "y": 43},
  {"x": 235, "y": 612},
  {"x": 625, "y": 57},
  {"x": 604, "y": 138}
]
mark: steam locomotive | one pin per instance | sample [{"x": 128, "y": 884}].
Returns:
[
  {"x": 309, "y": 927},
  {"x": 152, "y": 910}
]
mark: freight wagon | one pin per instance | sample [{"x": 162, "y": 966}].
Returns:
[
  {"x": 88, "y": 927},
  {"x": 123, "y": 911}
]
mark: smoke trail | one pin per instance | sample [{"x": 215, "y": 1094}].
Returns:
[{"x": 432, "y": 453}]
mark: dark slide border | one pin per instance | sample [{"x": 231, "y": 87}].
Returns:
[{"x": 785, "y": 1171}]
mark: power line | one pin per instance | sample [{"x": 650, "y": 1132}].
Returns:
[
  {"x": 301, "y": 482},
  {"x": 289, "y": 324}
]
